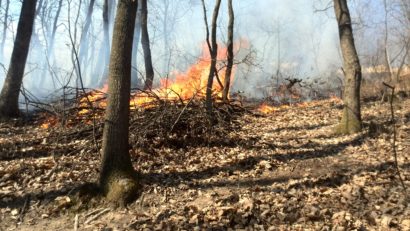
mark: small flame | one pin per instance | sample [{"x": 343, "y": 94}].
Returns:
[{"x": 267, "y": 109}]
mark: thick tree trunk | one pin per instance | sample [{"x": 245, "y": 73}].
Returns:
[
  {"x": 213, "y": 49},
  {"x": 9, "y": 106},
  {"x": 351, "y": 119},
  {"x": 228, "y": 73},
  {"x": 149, "y": 70},
  {"x": 118, "y": 180}
]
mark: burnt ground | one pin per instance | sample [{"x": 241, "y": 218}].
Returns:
[{"x": 283, "y": 171}]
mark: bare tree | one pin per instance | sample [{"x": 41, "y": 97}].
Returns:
[
  {"x": 137, "y": 35},
  {"x": 103, "y": 59},
  {"x": 213, "y": 50},
  {"x": 386, "y": 40},
  {"x": 9, "y": 106},
  {"x": 149, "y": 70},
  {"x": 228, "y": 73},
  {"x": 83, "y": 51},
  {"x": 117, "y": 178},
  {"x": 351, "y": 119},
  {"x": 54, "y": 29},
  {"x": 5, "y": 27}
]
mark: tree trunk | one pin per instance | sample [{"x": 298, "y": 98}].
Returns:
[
  {"x": 228, "y": 73},
  {"x": 149, "y": 70},
  {"x": 9, "y": 106},
  {"x": 351, "y": 119},
  {"x": 137, "y": 35},
  {"x": 213, "y": 49},
  {"x": 118, "y": 179},
  {"x": 5, "y": 25}
]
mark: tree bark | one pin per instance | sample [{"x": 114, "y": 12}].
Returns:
[
  {"x": 351, "y": 118},
  {"x": 213, "y": 49},
  {"x": 118, "y": 179},
  {"x": 9, "y": 106},
  {"x": 149, "y": 70},
  {"x": 228, "y": 73}
]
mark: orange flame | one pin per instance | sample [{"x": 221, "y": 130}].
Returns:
[{"x": 184, "y": 86}]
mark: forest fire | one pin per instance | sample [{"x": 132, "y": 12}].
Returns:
[{"x": 182, "y": 88}]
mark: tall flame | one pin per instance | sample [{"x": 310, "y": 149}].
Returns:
[{"x": 183, "y": 86}]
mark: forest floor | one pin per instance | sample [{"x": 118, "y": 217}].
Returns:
[{"x": 283, "y": 171}]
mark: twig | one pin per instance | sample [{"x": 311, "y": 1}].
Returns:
[
  {"x": 76, "y": 222},
  {"x": 183, "y": 110},
  {"x": 395, "y": 137},
  {"x": 23, "y": 209},
  {"x": 89, "y": 220}
]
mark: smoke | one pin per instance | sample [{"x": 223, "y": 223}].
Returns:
[{"x": 290, "y": 38}]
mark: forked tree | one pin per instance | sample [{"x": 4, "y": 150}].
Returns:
[
  {"x": 9, "y": 106},
  {"x": 351, "y": 118},
  {"x": 118, "y": 180},
  {"x": 213, "y": 50}
]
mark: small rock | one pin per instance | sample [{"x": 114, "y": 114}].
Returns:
[{"x": 14, "y": 212}]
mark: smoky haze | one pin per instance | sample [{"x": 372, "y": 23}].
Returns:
[{"x": 282, "y": 38}]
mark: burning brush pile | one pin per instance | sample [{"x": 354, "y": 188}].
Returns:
[{"x": 173, "y": 113}]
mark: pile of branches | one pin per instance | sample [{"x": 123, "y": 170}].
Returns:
[
  {"x": 160, "y": 122},
  {"x": 178, "y": 125}
]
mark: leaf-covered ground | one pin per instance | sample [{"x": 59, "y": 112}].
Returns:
[{"x": 283, "y": 171}]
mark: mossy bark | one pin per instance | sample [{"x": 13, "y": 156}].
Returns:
[
  {"x": 9, "y": 106},
  {"x": 118, "y": 179},
  {"x": 351, "y": 121}
]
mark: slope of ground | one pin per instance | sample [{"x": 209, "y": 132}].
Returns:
[{"x": 283, "y": 171}]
